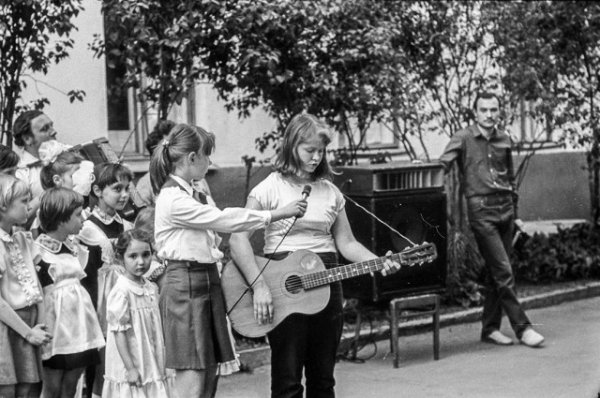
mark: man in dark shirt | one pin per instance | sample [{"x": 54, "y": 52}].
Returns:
[{"x": 484, "y": 159}]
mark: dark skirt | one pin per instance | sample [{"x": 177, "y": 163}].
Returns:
[
  {"x": 73, "y": 361},
  {"x": 193, "y": 314},
  {"x": 20, "y": 361}
]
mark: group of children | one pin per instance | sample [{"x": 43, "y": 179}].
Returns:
[
  {"x": 74, "y": 299},
  {"x": 80, "y": 298}
]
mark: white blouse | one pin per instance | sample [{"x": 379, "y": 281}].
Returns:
[
  {"x": 184, "y": 229},
  {"x": 19, "y": 283},
  {"x": 311, "y": 231}
]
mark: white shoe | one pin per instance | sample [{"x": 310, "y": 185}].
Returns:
[
  {"x": 496, "y": 337},
  {"x": 531, "y": 338}
]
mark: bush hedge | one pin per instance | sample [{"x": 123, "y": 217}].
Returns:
[{"x": 570, "y": 254}]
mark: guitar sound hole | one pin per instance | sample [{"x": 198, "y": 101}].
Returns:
[{"x": 293, "y": 284}]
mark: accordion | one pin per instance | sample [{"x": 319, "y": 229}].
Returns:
[{"x": 98, "y": 151}]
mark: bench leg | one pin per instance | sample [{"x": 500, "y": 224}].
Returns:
[
  {"x": 436, "y": 335},
  {"x": 394, "y": 336},
  {"x": 436, "y": 328},
  {"x": 354, "y": 353}
]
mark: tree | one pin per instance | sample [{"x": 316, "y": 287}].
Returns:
[
  {"x": 551, "y": 55},
  {"x": 162, "y": 45},
  {"x": 332, "y": 58},
  {"x": 34, "y": 34},
  {"x": 447, "y": 45}
]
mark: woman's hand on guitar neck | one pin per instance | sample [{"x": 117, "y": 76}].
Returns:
[
  {"x": 389, "y": 266},
  {"x": 263, "y": 303}
]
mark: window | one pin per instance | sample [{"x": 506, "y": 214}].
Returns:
[
  {"x": 131, "y": 120},
  {"x": 528, "y": 129},
  {"x": 377, "y": 136}
]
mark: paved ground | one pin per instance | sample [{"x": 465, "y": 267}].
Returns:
[{"x": 568, "y": 366}]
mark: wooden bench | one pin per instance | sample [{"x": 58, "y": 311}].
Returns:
[{"x": 428, "y": 304}]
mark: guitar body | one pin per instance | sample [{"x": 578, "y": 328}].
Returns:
[
  {"x": 300, "y": 284},
  {"x": 289, "y": 297}
]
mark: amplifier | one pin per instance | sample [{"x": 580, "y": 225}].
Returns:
[{"x": 409, "y": 197}]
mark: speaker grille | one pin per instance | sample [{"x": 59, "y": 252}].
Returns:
[{"x": 402, "y": 180}]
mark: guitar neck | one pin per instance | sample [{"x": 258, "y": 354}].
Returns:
[{"x": 320, "y": 278}]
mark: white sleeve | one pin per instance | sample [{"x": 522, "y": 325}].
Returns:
[
  {"x": 263, "y": 193},
  {"x": 184, "y": 211},
  {"x": 340, "y": 201}
]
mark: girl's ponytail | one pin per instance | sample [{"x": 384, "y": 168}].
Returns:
[
  {"x": 182, "y": 140},
  {"x": 160, "y": 165}
]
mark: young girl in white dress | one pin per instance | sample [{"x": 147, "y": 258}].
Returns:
[
  {"x": 135, "y": 349},
  {"x": 70, "y": 315},
  {"x": 100, "y": 230},
  {"x": 22, "y": 327}
]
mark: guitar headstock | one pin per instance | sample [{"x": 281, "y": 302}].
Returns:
[{"x": 418, "y": 254}]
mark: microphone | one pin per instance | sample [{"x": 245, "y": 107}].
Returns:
[
  {"x": 306, "y": 191},
  {"x": 289, "y": 223},
  {"x": 305, "y": 194}
]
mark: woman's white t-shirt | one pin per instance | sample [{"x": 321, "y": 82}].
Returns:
[{"x": 313, "y": 230}]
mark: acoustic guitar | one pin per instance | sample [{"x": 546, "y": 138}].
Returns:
[{"x": 300, "y": 284}]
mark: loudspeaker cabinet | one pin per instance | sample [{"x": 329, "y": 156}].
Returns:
[{"x": 418, "y": 213}]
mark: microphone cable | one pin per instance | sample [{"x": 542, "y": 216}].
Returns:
[
  {"x": 305, "y": 194},
  {"x": 388, "y": 226}
]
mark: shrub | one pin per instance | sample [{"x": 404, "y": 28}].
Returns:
[
  {"x": 570, "y": 254},
  {"x": 465, "y": 270}
]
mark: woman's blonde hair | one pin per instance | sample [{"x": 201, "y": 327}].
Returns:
[
  {"x": 301, "y": 128},
  {"x": 182, "y": 140}
]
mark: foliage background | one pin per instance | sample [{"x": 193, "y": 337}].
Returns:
[{"x": 412, "y": 66}]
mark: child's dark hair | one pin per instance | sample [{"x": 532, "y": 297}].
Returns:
[
  {"x": 61, "y": 165},
  {"x": 181, "y": 141},
  {"x": 8, "y": 159},
  {"x": 145, "y": 220},
  {"x": 160, "y": 131},
  {"x": 302, "y": 127},
  {"x": 57, "y": 205},
  {"x": 106, "y": 174},
  {"x": 125, "y": 239}
]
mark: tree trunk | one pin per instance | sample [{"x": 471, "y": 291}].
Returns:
[
  {"x": 593, "y": 161},
  {"x": 8, "y": 117}
]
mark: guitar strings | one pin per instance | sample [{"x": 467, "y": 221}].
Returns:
[{"x": 298, "y": 285}]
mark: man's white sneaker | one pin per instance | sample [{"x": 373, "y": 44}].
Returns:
[
  {"x": 531, "y": 338},
  {"x": 496, "y": 337}
]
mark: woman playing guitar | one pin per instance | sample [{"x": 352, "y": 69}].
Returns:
[{"x": 302, "y": 343}]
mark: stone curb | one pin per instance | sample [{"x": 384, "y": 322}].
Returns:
[{"x": 255, "y": 357}]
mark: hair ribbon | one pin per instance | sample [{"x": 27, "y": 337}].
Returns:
[{"x": 166, "y": 144}]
